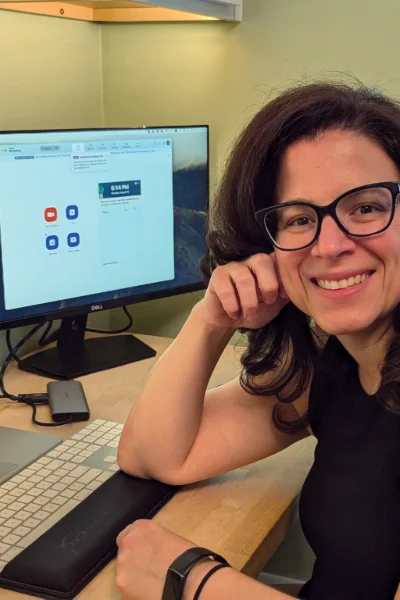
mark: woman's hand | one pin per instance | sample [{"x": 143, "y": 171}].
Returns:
[
  {"x": 245, "y": 294},
  {"x": 145, "y": 551}
]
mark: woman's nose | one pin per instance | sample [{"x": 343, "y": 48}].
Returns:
[{"x": 332, "y": 242}]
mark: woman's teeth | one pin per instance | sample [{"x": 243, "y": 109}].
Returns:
[{"x": 343, "y": 283}]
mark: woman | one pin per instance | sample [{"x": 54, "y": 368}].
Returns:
[{"x": 305, "y": 228}]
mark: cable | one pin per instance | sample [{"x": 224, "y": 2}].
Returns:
[
  {"x": 32, "y": 400},
  {"x": 115, "y": 331},
  {"x": 44, "y": 340}
]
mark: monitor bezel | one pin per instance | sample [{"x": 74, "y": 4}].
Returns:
[{"x": 127, "y": 300}]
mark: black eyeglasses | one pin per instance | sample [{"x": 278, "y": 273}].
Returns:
[{"x": 360, "y": 212}]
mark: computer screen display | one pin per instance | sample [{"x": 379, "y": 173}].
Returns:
[{"x": 91, "y": 219}]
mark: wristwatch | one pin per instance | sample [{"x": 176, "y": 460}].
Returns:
[{"x": 180, "y": 569}]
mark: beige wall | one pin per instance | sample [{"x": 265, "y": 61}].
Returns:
[
  {"x": 219, "y": 73},
  {"x": 50, "y": 77}
]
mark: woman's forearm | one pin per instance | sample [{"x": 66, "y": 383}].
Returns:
[{"x": 228, "y": 584}]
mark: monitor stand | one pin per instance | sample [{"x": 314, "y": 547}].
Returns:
[{"x": 74, "y": 356}]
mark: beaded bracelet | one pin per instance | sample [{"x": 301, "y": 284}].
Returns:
[{"x": 206, "y": 578}]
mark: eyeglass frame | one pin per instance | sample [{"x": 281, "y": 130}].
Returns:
[{"x": 329, "y": 209}]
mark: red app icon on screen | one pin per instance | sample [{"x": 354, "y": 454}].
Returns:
[{"x": 50, "y": 214}]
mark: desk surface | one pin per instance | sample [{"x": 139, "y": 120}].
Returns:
[{"x": 242, "y": 515}]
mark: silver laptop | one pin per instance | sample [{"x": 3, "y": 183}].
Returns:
[{"x": 18, "y": 449}]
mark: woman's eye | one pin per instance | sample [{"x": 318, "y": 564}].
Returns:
[{"x": 298, "y": 222}]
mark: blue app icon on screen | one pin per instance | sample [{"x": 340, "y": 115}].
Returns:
[
  {"x": 51, "y": 242},
  {"x": 73, "y": 240},
  {"x": 72, "y": 212}
]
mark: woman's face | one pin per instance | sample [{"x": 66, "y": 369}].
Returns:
[{"x": 319, "y": 171}]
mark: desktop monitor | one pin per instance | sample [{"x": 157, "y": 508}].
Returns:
[{"x": 95, "y": 219}]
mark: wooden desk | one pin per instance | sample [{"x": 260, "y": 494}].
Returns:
[{"x": 242, "y": 515}]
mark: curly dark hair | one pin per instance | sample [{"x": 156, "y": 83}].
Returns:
[{"x": 287, "y": 345}]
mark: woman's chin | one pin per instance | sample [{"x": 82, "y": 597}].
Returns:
[{"x": 342, "y": 326}]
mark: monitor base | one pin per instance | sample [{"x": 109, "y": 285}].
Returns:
[{"x": 96, "y": 354}]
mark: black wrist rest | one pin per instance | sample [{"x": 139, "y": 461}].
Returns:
[{"x": 61, "y": 562}]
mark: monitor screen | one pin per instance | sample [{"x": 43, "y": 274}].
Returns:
[{"x": 91, "y": 219}]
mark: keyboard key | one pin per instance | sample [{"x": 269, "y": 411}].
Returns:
[
  {"x": 104, "y": 476},
  {"x": 14, "y": 506},
  {"x": 11, "y": 553},
  {"x": 50, "y": 493},
  {"x": 26, "y": 485},
  {"x": 35, "y": 491},
  {"x": 26, "y": 498},
  {"x": 60, "y": 500},
  {"x": 81, "y": 446},
  {"x": 2, "y": 492},
  {"x": 89, "y": 476},
  {"x": 67, "y": 467},
  {"x": 3, "y": 548},
  {"x": 67, "y": 480},
  {"x": 55, "y": 464},
  {"x": 54, "y": 454},
  {"x": 90, "y": 439},
  {"x": 66, "y": 443},
  {"x": 110, "y": 459},
  {"x": 31, "y": 508},
  {"x": 2, "y": 564},
  {"x": 93, "y": 485},
  {"x": 82, "y": 495},
  {"x": 32, "y": 522},
  {"x": 85, "y": 453},
  {"x": 16, "y": 492},
  {"x": 7, "y": 499},
  {"x": 7, "y": 513},
  {"x": 23, "y": 530},
  {"x": 67, "y": 456},
  {"x": 78, "y": 459},
  {"x": 49, "y": 522},
  {"x": 41, "y": 514},
  {"x": 41, "y": 500},
  {"x": 35, "y": 479},
  {"x": 43, "y": 461},
  {"x": 23, "y": 515},
  {"x": 67, "y": 493},
  {"x": 17, "y": 479},
  {"x": 2, "y": 505},
  {"x": 44, "y": 485},
  {"x": 12, "y": 539},
  {"x": 93, "y": 448},
  {"x": 113, "y": 468},
  {"x": 12, "y": 523},
  {"x": 51, "y": 507},
  {"x": 4, "y": 531},
  {"x": 99, "y": 422},
  {"x": 78, "y": 471},
  {"x": 9, "y": 485},
  {"x": 59, "y": 487},
  {"x": 44, "y": 472},
  {"x": 77, "y": 487},
  {"x": 52, "y": 479},
  {"x": 34, "y": 467},
  {"x": 91, "y": 427},
  {"x": 113, "y": 444}
]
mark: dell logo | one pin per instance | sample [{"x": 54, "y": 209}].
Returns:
[{"x": 97, "y": 307}]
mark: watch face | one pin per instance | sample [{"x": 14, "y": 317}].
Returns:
[{"x": 173, "y": 586}]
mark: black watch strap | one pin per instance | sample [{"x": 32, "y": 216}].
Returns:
[{"x": 180, "y": 569}]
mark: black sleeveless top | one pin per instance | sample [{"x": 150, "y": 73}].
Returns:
[{"x": 350, "y": 502}]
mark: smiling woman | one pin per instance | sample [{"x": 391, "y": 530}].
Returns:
[{"x": 305, "y": 228}]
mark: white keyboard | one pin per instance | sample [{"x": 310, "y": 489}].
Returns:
[{"x": 40, "y": 495}]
